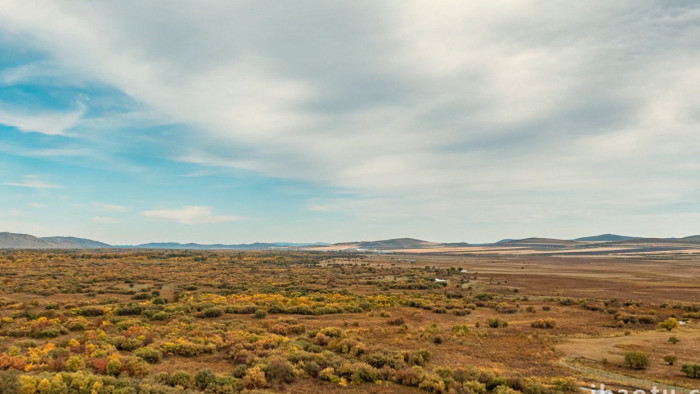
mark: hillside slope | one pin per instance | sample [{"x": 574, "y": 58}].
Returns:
[
  {"x": 26, "y": 241},
  {"x": 396, "y": 243},
  {"x": 74, "y": 242},
  {"x": 605, "y": 238}
]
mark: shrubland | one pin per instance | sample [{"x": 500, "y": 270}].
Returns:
[{"x": 221, "y": 322}]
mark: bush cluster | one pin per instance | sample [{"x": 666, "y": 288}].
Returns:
[
  {"x": 544, "y": 323},
  {"x": 636, "y": 360}
]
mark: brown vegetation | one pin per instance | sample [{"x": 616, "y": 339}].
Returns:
[{"x": 162, "y": 321}]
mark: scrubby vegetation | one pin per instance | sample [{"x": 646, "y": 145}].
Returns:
[
  {"x": 691, "y": 370},
  {"x": 222, "y": 322},
  {"x": 544, "y": 323},
  {"x": 670, "y": 359},
  {"x": 669, "y": 324},
  {"x": 637, "y": 360}
]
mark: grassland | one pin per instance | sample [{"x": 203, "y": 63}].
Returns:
[{"x": 220, "y": 322}]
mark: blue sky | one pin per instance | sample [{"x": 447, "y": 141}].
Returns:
[{"x": 303, "y": 121}]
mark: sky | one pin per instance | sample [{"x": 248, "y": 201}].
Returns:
[{"x": 303, "y": 121}]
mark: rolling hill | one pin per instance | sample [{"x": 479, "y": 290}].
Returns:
[
  {"x": 605, "y": 238},
  {"x": 73, "y": 242},
  {"x": 589, "y": 244},
  {"x": 692, "y": 239},
  {"x": 396, "y": 243},
  {"x": 194, "y": 246},
  {"x": 26, "y": 241}
]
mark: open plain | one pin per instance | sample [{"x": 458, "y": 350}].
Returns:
[{"x": 226, "y": 321}]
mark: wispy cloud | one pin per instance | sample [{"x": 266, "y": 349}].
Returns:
[
  {"x": 109, "y": 207},
  {"x": 45, "y": 122},
  {"x": 105, "y": 220},
  {"x": 33, "y": 182},
  {"x": 58, "y": 152},
  {"x": 189, "y": 215},
  {"x": 44, "y": 71}
]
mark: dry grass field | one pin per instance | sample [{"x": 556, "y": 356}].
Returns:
[{"x": 219, "y": 322}]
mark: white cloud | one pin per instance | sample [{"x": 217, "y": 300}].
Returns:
[
  {"x": 189, "y": 215},
  {"x": 495, "y": 108},
  {"x": 33, "y": 182},
  {"x": 43, "y": 71},
  {"x": 51, "y": 123}
]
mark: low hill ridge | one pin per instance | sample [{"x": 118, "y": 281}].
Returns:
[
  {"x": 396, "y": 243},
  {"x": 26, "y": 241},
  {"x": 605, "y": 238}
]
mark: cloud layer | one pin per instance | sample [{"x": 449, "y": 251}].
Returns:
[{"x": 537, "y": 113}]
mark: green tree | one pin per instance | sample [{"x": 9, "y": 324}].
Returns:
[
  {"x": 637, "y": 360},
  {"x": 670, "y": 359}
]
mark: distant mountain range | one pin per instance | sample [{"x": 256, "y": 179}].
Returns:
[
  {"x": 538, "y": 241},
  {"x": 253, "y": 246},
  {"x": 605, "y": 238},
  {"x": 25, "y": 241},
  {"x": 541, "y": 244},
  {"x": 397, "y": 243}
]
